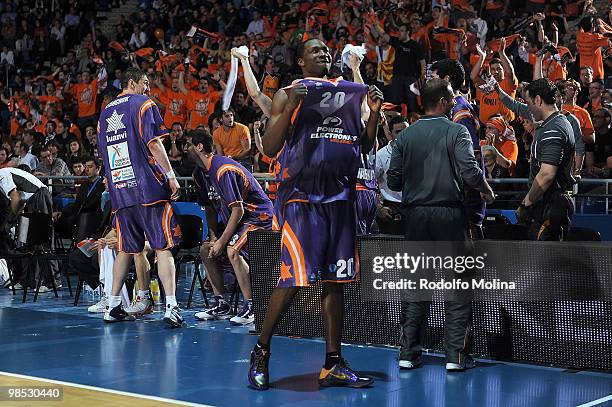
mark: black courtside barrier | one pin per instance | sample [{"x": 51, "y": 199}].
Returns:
[{"x": 542, "y": 303}]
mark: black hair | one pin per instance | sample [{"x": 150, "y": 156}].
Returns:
[
  {"x": 132, "y": 73},
  {"x": 586, "y": 23},
  {"x": 202, "y": 137},
  {"x": 78, "y": 160},
  {"x": 543, "y": 88},
  {"x": 93, "y": 159},
  {"x": 396, "y": 120},
  {"x": 451, "y": 68},
  {"x": 496, "y": 61},
  {"x": 24, "y": 167},
  {"x": 434, "y": 90},
  {"x": 175, "y": 123}
]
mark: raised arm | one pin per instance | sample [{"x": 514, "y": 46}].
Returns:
[
  {"x": 518, "y": 108},
  {"x": 537, "y": 67},
  {"x": 475, "y": 74},
  {"x": 506, "y": 64},
  {"x": 263, "y": 101}
]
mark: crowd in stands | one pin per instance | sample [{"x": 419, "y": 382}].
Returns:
[{"x": 58, "y": 69}]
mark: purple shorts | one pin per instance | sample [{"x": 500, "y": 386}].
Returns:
[
  {"x": 155, "y": 222},
  {"x": 239, "y": 241},
  {"x": 366, "y": 202},
  {"x": 317, "y": 243}
]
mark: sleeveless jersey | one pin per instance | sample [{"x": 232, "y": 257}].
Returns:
[
  {"x": 366, "y": 179},
  {"x": 321, "y": 156},
  {"x": 126, "y": 127},
  {"x": 227, "y": 182}
]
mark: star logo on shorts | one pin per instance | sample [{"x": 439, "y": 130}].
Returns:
[
  {"x": 285, "y": 271},
  {"x": 114, "y": 122}
]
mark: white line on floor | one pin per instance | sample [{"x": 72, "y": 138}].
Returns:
[
  {"x": 122, "y": 393},
  {"x": 596, "y": 402}
]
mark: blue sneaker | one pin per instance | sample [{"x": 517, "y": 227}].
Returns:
[{"x": 341, "y": 375}]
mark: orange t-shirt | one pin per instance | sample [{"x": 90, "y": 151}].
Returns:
[
  {"x": 230, "y": 141},
  {"x": 590, "y": 55},
  {"x": 54, "y": 100},
  {"x": 201, "y": 106},
  {"x": 85, "y": 95},
  {"x": 490, "y": 104},
  {"x": 449, "y": 42},
  {"x": 176, "y": 107},
  {"x": 584, "y": 118}
]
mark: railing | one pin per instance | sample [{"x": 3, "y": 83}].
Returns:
[{"x": 580, "y": 198}]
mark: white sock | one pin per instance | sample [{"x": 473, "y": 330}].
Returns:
[
  {"x": 114, "y": 301},
  {"x": 144, "y": 294},
  {"x": 170, "y": 301}
]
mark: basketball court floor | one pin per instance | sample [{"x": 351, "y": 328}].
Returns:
[{"x": 55, "y": 345}]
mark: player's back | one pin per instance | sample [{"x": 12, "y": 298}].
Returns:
[
  {"x": 126, "y": 126},
  {"x": 321, "y": 156},
  {"x": 226, "y": 182}
]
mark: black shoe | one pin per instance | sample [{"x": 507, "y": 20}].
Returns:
[
  {"x": 259, "y": 377},
  {"x": 341, "y": 375},
  {"x": 117, "y": 314}
]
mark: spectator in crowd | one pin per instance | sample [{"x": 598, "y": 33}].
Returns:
[
  {"x": 502, "y": 71},
  {"x": 598, "y": 153},
  {"x": 233, "y": 139},
  {"x": 88, "y": 200},
  {"x": 51, "y": 166},
  {"x": 25, "y": 157},
  {"x": 500, "y": 135},
  {"x": 389, "y": 212}
]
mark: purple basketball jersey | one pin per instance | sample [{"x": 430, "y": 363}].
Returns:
[
  {"x": 126, "y": 127},
  {"x": 227, "y": 182},
  {"x": 464, "y": 114},
  {"x": 321, "y": 157}
]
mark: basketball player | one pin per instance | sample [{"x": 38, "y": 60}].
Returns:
[
  {"x": 242, "y": 206},
  {"x": 366, "y": 197},
  {"x": 318, "y": 121},
  {"x": 141, "y": 184}
]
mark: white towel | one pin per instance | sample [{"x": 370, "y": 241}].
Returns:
[
  {"x": 233, "y": 76},
  {"x": 107, "y": 260},
  {"x": 358, "y": 50}
]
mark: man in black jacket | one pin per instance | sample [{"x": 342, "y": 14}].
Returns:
[
  {"x": 88, "y": 201},
  {"x": 431, "y": 162}
]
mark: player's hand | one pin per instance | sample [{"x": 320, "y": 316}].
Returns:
[
  {"x": 522, "y": 215},
  {"x": 375, "y": 99},
  {"x": 111, "y": 243},
  {"x": 354, "y": 61},
  {"x": 384, "y": 213},
  {"x": 488, "y": 196},
  {"x": 216, "y": 249},
  {"x": 100, "y": 243},
  {"x": 175, "y": 189},
  {"x": 56, "y": 216},
  {"x": 296, "y": 94}
]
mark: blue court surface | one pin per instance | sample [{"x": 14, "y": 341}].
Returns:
[{"x": 206, "y": 363}]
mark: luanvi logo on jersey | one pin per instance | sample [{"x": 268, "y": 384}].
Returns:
[
  {"x": 331, "y": 130},
  {"x": 332, "y": 121},
  {"x": 115, "y": 123}
]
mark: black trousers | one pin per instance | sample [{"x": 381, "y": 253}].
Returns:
[
  {"x": 436, "y": 224},
  {"x": 551, "y": 217}
]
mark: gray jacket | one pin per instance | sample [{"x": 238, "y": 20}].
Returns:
[{"x": 431, "y": 161}]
